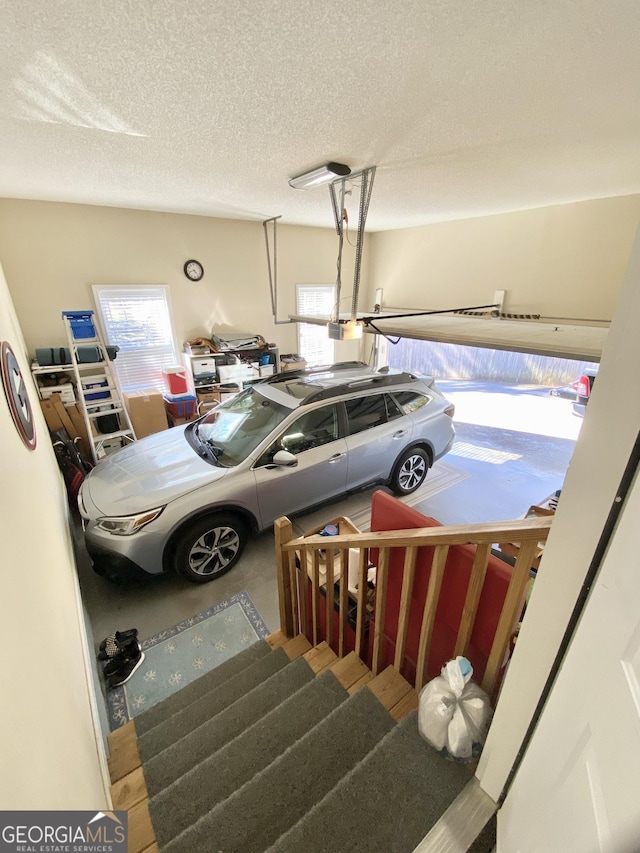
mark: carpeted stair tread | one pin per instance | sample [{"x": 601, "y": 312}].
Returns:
[
  {"x": 193, "y": 715},
  {"x": 164, "y": 768},
  {"x": 209, "y": 681},
  {"x": 215, "y": 779},
  {"x": 257, "y": 814},
  {"x": 389, "y": 801}
]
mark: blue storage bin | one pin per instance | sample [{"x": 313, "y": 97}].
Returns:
[
  {"x": 81, "y": 322},
  {"x": 89, "y": 383}
]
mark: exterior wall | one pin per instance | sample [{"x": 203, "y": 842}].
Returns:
[
  {"x": 452, "y": 361},
  {"x": 562, "y": 261},
  {"x": 49, "y": 752}
]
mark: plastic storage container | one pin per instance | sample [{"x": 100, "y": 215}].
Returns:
[
  {"x": 91, "y": 382},
  {"x": 181, "y": 407},
  {"x": 177, "y": 381},
  {"x": 81, "y": 324}
]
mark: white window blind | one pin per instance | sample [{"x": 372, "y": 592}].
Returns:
[
  {"x": 138, "y": 321},
  {"x": 314, "y": 344}
]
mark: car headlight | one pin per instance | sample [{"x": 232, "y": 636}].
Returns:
[{"x": 126, "y": 525}]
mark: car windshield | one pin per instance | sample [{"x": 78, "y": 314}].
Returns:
[{"x": 230, "y": 432}]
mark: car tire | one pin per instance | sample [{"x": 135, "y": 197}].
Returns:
[
  {"x": 208, "y": 548},
  {"x": 410, "y": 471}
]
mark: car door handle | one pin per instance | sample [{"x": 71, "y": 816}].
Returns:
[
  {"x": 336, "y": 457},
  {"x": 399, "y": 434}
]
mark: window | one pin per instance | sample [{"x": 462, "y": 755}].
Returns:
[
  {"x": 368, "y": 412},
  {"x": 312, "y": 429},
  {"x": 314, "y": 344},
  {"x": 411, "y": 401},
  {"x": 138, "y": 321}
]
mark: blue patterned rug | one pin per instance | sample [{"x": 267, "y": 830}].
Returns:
[{"x": 179, "y": 655}]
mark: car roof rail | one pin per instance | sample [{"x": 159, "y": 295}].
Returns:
[
  {"x": 377, "y": 380},
  {"x": 312, "y": 371}
]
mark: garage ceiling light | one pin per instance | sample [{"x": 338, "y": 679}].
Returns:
[{"x": 321, "y": 175}]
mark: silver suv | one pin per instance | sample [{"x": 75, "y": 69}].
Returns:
[{"x": 187, "y": 498}]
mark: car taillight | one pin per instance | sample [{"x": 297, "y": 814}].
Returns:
[
  {"x": 582, "y": 386},
  {"x": 450, "y": 410}
]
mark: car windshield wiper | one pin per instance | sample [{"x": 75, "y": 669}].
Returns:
[
  {"x": 214, "y": 448},
  {"x": 203, "y": 447}
]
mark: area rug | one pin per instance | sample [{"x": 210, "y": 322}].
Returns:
[{"x": 180, "y": 654}]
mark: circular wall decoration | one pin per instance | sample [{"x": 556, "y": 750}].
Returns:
[
  {"x": 17, "y": 398},
  {"x": 193, "y": 270}
]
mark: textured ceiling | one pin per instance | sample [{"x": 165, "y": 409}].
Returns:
[{"x": 466, "y": 107}]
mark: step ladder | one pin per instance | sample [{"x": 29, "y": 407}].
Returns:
[{"x": 97, "y": 385}]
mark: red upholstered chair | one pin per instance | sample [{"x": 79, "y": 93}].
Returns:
[{"x": 388, "y": 513}]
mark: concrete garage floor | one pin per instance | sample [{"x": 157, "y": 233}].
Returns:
[{"x": 513, "y": 447}]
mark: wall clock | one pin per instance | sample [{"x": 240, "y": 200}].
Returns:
[
  {"x": 17, "y": 398},
  {"x": 193, "y": 270}
]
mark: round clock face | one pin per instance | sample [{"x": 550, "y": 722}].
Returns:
[{"x": 193, "y": 270}]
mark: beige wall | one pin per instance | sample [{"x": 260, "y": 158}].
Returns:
[
  {"x": 562, "y": 261},
  {"x": 48, "y": 751},
  {"x": 53, "y": 253}
]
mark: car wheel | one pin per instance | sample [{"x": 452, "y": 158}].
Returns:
[
  {"x": 410, "y": 471},
  {"x": 209, "y": 547}
]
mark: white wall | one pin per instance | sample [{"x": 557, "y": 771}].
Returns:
[
  {"x": 48, "y": 750},
  {"x": 562, "y": 261},
  {"x": 53, "y": 253}
]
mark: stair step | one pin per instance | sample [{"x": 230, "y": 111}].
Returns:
[
  {"x": 129, "y": 790},
  {"x": 349, "y": 670},
  {"x": 277, "y": 797},
  {"x": 276, "y": 639},
  {"x": 198, "y": 712},
  {"x": 321, "y": 657},
  {"x": 389, "y": 687},
  {"x": 297, "y": 647},
  {"x": 123, "y": 751},
  {"x": 214, "y": 678},
  {"x": 215, "y": 779},
  {"x": 359, "y": 815},
  {"x": 182, "y": 756}
]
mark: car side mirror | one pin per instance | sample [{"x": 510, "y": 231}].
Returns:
[{"x": 285, "y": 459}]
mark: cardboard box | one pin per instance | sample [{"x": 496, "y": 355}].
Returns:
[
  {"x": 292, "y": 365},
  {"x": 208, "y": 397},
  {"x": 146, "y": 411},
  {"x": 65, "y": 392}
]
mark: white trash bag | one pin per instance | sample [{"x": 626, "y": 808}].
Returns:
[{"x": 453, "y": 712}]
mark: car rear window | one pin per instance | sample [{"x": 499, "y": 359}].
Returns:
[{"x": 410, "y": 401}]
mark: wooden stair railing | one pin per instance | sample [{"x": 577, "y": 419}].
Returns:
[{"x": 292, "y": 555}]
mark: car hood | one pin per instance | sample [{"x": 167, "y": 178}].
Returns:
[{"x": 149, "y": 473}]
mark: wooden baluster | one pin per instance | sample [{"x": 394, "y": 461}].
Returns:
[
  {"x": 363, "y": 570},
  {"x": 408, "y": 575},
  {"x": 283, "y": 531},
  {"x": 474, "y": 590},
  {"x": 315, "y": 587},
  {"x": 440, "y": 553},
  {"x": 381, "y": 605},
  {"x": 303, "y": 591},
  {"x": 343, "y": 600},
  {"x": 293, "y": 585},
  {"x": 510, "y": 612},
  {"x": 329, "y": 590}
]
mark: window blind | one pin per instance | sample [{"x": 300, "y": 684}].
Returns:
[
  {"x": 138, "y": 321},
  {"x": 314, "y": 344}
]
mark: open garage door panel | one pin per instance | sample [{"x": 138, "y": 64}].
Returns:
[{"x": 583, "y": 343}]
